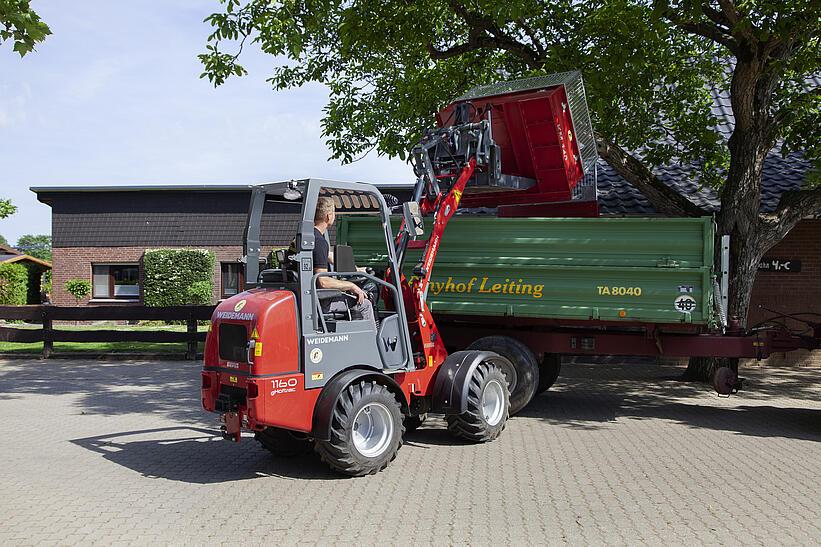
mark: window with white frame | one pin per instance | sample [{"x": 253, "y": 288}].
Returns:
[{"x": 116, "y": 281}]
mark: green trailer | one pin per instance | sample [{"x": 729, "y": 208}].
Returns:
[
  {"x": 629, "y": 270},
  {"x": 536, "y": 289}
]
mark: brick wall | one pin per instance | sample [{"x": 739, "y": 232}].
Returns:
[
  {"x": 76, "y": 263},
  {"x": 791, "y": 292}
]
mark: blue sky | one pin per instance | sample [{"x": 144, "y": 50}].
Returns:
[{"x": 113, "y": 97}]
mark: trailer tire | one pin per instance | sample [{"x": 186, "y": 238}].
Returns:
[
  {"x": 488, "y": 406},
  {"x": 524, "y": 387},
  {"x": 549, "y": 371},
  {"x": 283, "y": 443},
  {"x": 366, "y": 430}
]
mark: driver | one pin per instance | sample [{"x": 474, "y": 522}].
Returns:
[{"x": 323, "y": 218}]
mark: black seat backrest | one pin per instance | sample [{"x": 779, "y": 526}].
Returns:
[
  {"x": 343, "y": 259},
  {"x": 278, "y": 276}
]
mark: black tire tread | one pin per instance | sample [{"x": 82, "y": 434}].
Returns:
[
  {"x": 471, "y": 425},
  {"x": 549, "y": 370},
  {"x": 337, "y": 452},
  {"x": 527, "y": 367},
  {"x": 282, "y": 443}
]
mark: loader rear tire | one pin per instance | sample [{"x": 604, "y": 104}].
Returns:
[
  {"x": 366, "y": 430},
  {"x": 488, "y": 406},
  {"x": 283, "y": 443},
  {"x": 549, "y": 371},
  {"x": 523, "y": 386}
]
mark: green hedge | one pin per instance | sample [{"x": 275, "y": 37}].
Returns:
[
  {"x": 13, "y": 284},
  {"x": 170, "y": 275}
]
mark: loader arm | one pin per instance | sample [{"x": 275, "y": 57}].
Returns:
[{"x": 459, "y": 150}]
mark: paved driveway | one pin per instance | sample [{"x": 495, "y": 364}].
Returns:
[{"x": 619, "y": 454}]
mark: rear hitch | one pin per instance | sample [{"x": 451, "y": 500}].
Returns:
[{"x": 231, "y": 429}]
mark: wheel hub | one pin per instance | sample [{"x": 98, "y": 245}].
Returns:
[
  {"x": 372, "y": 430},
  {"x": 493, "y": 402}
]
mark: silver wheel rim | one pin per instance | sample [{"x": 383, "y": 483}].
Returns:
[
  {"x": 493, "y": 402},
  {"x": 372, "y": 430}
]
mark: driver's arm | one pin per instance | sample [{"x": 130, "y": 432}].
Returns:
[{"x": 327, "y": 282}]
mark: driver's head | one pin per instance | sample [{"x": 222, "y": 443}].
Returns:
[{"x": 325, "y": 211}]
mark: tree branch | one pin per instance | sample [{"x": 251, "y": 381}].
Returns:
[
  {"x": 665, "y": 200},
  {"x": 528, "y": 30},
  {"x": 730, "y": 12},
  {"x": 792, "y": 207},
  {"x": 703, "y": 28},
  {"x": 715, "y": 16},
  {"x": 483, "y": 33}
]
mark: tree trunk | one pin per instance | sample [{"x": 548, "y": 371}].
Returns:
[{"x": 741, "y": 198}]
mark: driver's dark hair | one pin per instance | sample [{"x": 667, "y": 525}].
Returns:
[{"x": 324, "y": 206}]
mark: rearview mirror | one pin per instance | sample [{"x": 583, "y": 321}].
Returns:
[{"x": 413, "y": 219}]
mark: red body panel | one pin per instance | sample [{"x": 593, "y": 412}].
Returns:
[{"x": 274, "y": 384}]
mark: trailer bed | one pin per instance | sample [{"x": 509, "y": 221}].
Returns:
[{"x": 624, "y": 270}]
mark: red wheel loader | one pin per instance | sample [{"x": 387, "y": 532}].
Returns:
[{"x": 280, "y": 364}]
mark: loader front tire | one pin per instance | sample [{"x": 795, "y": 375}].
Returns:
[
  {"x": 525, "y": 379},
  {"x": 488, "y": 406},
  {"x": 366, "y": 430}
]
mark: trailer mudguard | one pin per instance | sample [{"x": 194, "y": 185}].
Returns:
[
  {"x": 450, "y": 388},
  {"x": 323, "y": 411}
]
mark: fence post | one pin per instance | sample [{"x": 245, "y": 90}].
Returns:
[
  {"x": 48, "y": 343},
  {"x": 192, "y": 338}
]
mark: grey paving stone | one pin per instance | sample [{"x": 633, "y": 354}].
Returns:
[{"x": 614, "y": 454}]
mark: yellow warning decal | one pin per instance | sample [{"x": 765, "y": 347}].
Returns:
[
  {"x": 233, "y": 379},
  {"x": 458, "y": 196},
  {"x": 317, "y": 376},
  {"x": 258, "y": 349},
  {"x": 430, "y": 360},
  {"x": 254, "y": 333}
]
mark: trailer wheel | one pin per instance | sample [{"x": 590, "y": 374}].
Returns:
[
  {"x": 524, "y": 386},
  {"x": 283, "y": 443},
  {"x": 549, "y": 371},
  {"x": 488, "y": 406},
  {"x": 366, "y": 430}
]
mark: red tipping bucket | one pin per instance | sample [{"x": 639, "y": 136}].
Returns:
[{"x": 543, "y": 130}]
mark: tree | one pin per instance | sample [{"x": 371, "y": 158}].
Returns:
[
  {"x": 3, "y": 240},
  {"x": 650, "y": 70},
  {"x": 22, "y": 25},
  {"x": 7, "y": 208},
  {"x": 38, "y": 246}
]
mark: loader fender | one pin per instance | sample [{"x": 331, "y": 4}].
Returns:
[
  {"x": 450, "y": 388},
  {"x": 323, "y": 411}
]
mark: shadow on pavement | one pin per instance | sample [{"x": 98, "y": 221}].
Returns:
[
  {"x": 200, "y": 456},
  {"x": 171, "y": 388},
  {"x": 591, "y": 396}
]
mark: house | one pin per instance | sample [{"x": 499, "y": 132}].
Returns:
[{"x": 101, "y": 233}]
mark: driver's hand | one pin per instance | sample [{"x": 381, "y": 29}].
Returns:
[{"x": 360, "y": 294}]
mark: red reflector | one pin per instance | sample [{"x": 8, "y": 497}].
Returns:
[
  {"x": 206, "y": 381},
  {"x": 253, "y": 390}
]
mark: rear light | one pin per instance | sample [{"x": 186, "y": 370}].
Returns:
[
  {"x": 253, "y": 390},
  {"x": 206, "y": 381}
]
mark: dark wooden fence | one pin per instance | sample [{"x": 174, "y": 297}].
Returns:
[{"x": 46, "y": 315}]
